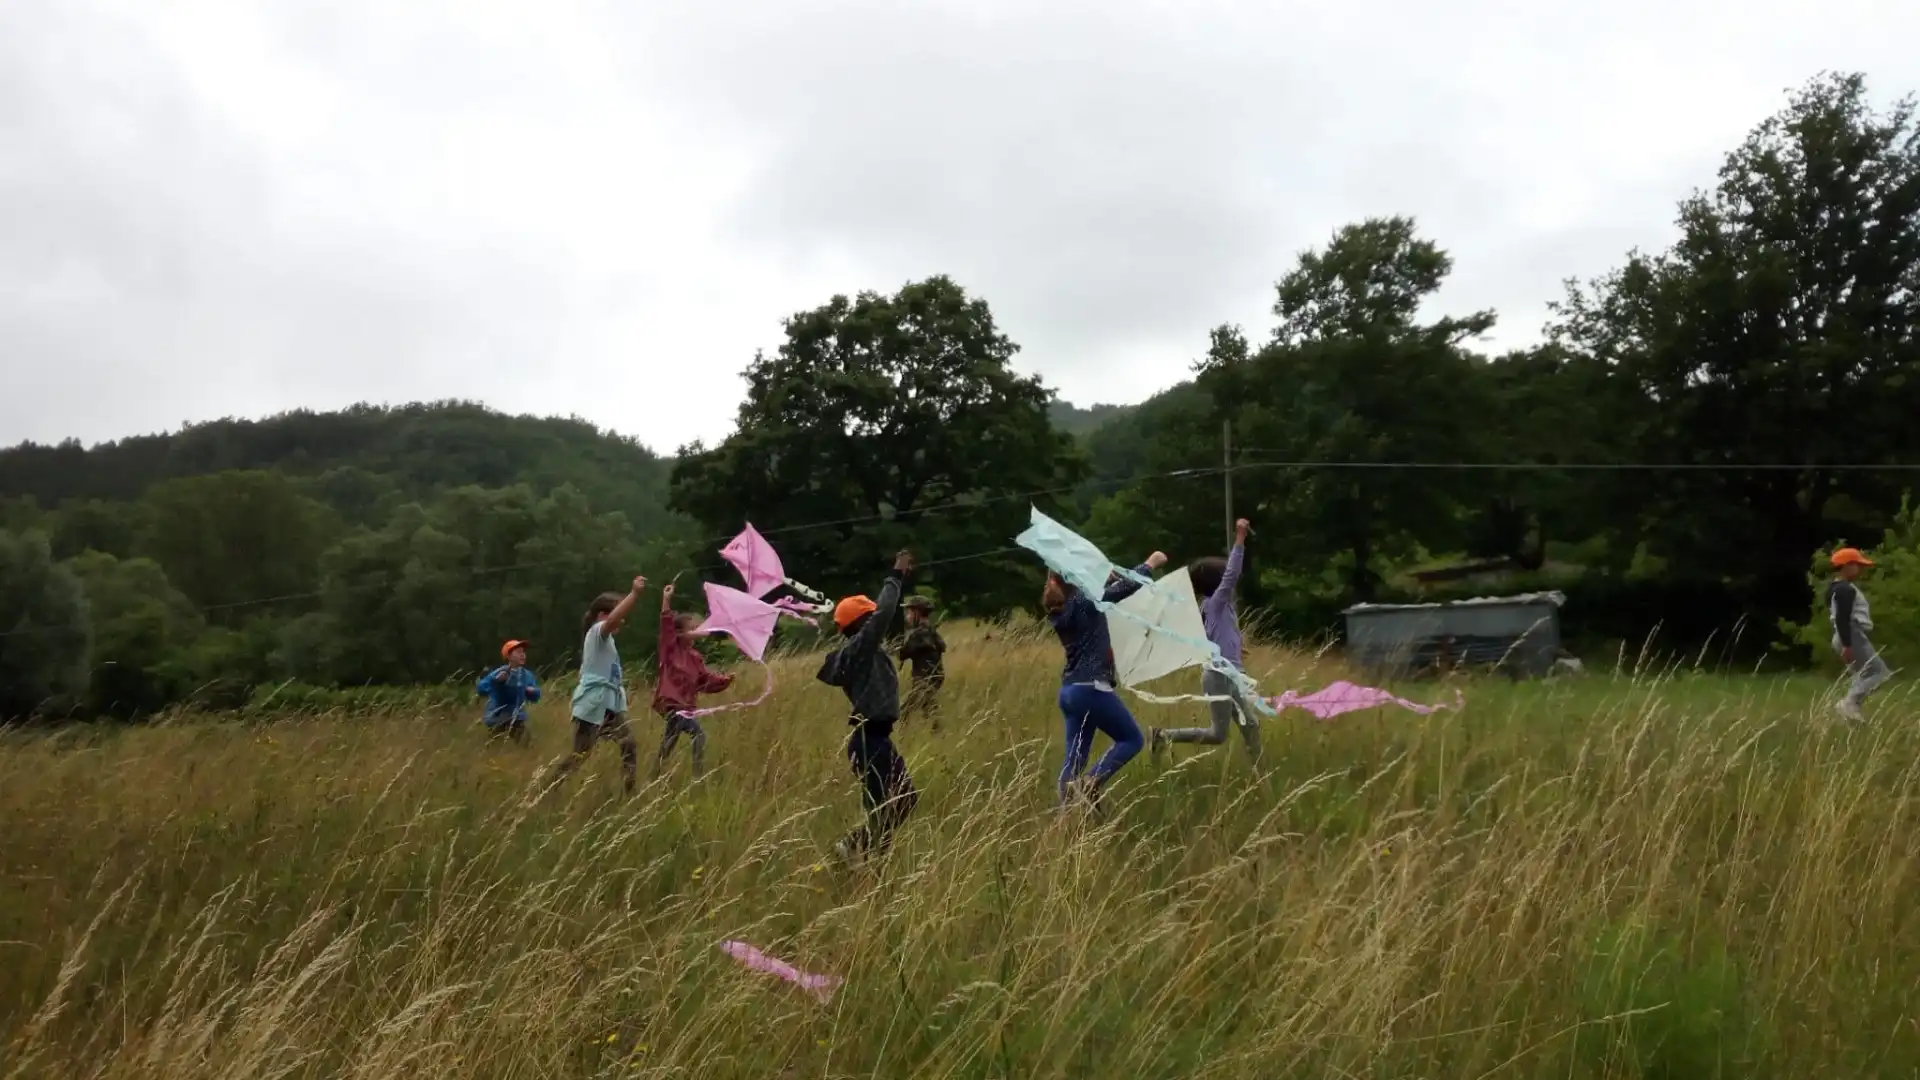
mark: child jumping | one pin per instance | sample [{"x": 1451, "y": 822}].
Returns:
[
  {"x": 1214, "y": 579},
  {"x": 1852, "y": 622},
  {"x": 507, "y": 689},
  {"x": 683, "y": 676},
  {"x": 600, "y": 701},
  {"x": 865, "y": 673},
  {"x": 924, "y": 649},
  {"x": 1088, "y": 702}
]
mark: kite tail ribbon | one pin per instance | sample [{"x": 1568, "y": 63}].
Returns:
[
  {"x": 820, "y": 603},
  {"x": 765, "y": 690},
  {"x": 1342, "y": 696},
  {"x": 821, "y": 986}
]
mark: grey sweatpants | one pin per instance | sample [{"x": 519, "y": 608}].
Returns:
[
  {"x": 1218, "y": 684},
  {"x": 1868, "y": 669},
  {"x": 678, "y": 724}
]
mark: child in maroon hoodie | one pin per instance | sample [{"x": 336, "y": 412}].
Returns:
[{"x": 683, "y": 676}]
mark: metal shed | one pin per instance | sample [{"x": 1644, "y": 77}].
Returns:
[{"x": 1518, "y": 634}]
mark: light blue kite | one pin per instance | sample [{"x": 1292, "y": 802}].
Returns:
[{"x": 1155, "y": 632}]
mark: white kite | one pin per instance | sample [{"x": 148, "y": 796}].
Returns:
[{"x": 1155, "y": 632}]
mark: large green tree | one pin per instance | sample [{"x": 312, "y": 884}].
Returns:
[
  {"x": 44, "y": 635},
  {"x": 1779, "y": 329},
  {"x": 1550, "y": 414},
  {"x": 435, "y": 591},
  {"x": 1352, "y": 379},
  {"x": 232, "y": 538},
  {"x": 144, "y": 635},
  {"x": 880, "y": 414}
]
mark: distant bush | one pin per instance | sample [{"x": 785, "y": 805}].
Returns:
[{"x": 297, "y": 698}]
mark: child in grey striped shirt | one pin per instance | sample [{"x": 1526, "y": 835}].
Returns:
[{"x": 1852, "y": 623}]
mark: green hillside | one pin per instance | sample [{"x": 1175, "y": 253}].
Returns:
[{"x": 361, "y": 457}]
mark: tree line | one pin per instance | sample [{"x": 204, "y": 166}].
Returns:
[{"x": 1696, "y": 425}]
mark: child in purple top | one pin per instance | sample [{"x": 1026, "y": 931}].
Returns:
[{"x": 1215, "y": 579}]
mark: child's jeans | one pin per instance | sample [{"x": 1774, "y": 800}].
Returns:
[{"x": 1088, "y": 709}]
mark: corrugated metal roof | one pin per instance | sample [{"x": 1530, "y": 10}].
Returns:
[{"x": 1554, "y": 597}]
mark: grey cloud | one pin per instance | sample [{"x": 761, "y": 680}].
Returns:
[
  {"x": 156, "y": 270},
  {"x": 604, "y": 208}
]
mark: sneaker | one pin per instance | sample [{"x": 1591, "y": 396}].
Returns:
[
  {"x": 1084, "y": 791},
  {"x": 843, "y": 851},
  {"x": 1157, "y": 745},
  {"x": 1850, "y": 709}
]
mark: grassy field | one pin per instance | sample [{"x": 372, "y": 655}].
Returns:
[{"x": 1659, "y": 874}]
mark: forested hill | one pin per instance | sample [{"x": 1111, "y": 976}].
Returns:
[
  {"x": 1074, "y": 420},
  {"x": 363, "y": 460}
]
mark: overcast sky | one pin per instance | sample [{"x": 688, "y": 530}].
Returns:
[{"x": 212, "y": 209}]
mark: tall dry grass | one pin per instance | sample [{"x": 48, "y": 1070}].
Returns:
[{"x": 1661, "y": 874}]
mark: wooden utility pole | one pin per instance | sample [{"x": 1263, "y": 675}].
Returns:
[{"x": 1226, "y": 474}]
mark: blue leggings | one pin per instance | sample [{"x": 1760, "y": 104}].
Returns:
[{"x": 1088, "y": 709}]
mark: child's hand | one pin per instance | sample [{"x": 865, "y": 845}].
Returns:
[
  {"x": 1241, "y": 530},
  {"x": 903, "y": 562},
  {"x": 666, "y": 597},
  {"x": 1156, "y": 560},
  {"x": 639, "y": 585}
]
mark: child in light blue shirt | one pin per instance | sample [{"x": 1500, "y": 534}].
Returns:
[{"x": 600, "y": 699}]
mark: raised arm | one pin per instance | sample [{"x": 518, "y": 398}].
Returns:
[
  {"x": 1122, "y": 586},
  {"x": 884, "y": 606},
  {"x": 1230, "y": 578},
  {"x": 1236, "y": 559},
  {"x": 617, "y": 618}
]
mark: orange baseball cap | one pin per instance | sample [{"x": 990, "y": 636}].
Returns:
[
  {"x": 848, "y": 611},
  {"x": 507, "y": 649},
  {"x": 1850, "y": 557}
]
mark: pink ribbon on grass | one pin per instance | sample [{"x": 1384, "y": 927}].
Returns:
[{"x": 820, "y": 986}]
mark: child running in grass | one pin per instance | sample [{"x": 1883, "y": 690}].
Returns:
[
  {"x": 507, "y": 689},
  {"x": 682, "y": 678},
  {"x": 924, "y": 649},
  {"x": 600, "y": 701},
  {"x": 1214, "y": 579},
  {"x": 1088, "y": 702},
  {"x": 865, "y": 673},
  {"x": 1852, "y": 622}
]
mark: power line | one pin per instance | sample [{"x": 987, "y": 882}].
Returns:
[{"x": 970, "y": 504}]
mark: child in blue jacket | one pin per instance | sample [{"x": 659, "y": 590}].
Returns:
[
  {"x": 1088, "y": 703},
  {"x": 507, "y": 689}
]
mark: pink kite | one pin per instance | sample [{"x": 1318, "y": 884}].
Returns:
[
  {"x": 821, "y": 986},
  {"x": 744, "y": 616},
  {"x": 756, "y": 560},
  {"x": 759, "y": 566},
  {"x": 747, "y": 621},
  {"x": 1343, "y": 696}
]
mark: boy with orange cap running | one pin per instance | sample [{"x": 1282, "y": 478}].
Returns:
[
  {"x": 1852, "y": 622},
  {"x": 861, "y": 668},
  {"x": 507, "y": 689}
]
